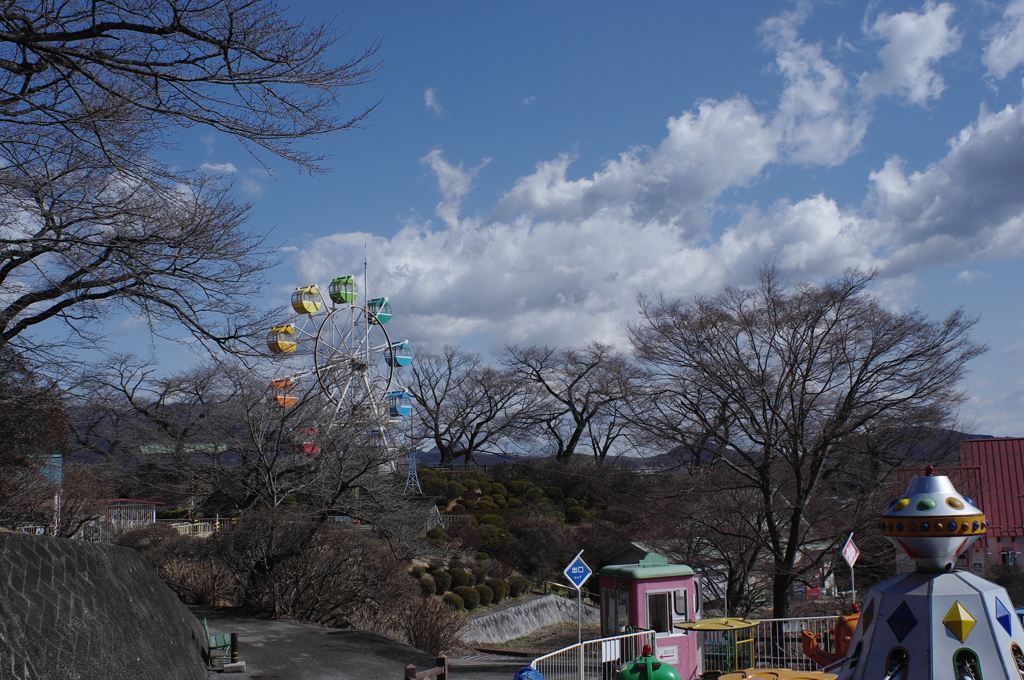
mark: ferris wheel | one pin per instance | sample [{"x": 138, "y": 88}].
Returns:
[{"x": 346, "y": 348}]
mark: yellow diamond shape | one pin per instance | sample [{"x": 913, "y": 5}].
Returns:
[{"x": 959, "y": 621}]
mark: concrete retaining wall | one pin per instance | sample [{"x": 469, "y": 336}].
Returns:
[
  {"x": 523, "y": 618},
  {"x": 86, "y": 611}
]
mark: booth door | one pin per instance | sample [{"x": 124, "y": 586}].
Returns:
[{"x": 615, "y": 611}]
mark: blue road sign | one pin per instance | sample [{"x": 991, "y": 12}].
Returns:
[{"x": 578, "y": 572}]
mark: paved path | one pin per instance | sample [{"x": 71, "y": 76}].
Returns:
[{"x": 285, "y": 650}]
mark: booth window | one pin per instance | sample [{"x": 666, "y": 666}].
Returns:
[
  {"x": 659, "y": 614},
  {"x": 681, "y": 604}
]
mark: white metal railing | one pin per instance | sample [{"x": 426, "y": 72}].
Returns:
[
  {"x": 593, "y": 659},
  {"x": 776, "y": 643}
]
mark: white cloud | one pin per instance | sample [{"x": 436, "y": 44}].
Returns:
[
  {"x": 431, "y": 102},
  {"x": 1005, "y": 50},
  {"x": 454, "y": 183},
  {"x": 721, "y": 145},
  {"x": 220, "y": 168},
  {"x": 969, "y": 276},
  {"x": 527, "y": 101},
  {"x": 817, "y": 116},
  {"x": 915, "y": 42}
]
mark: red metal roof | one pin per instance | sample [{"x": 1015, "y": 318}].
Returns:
[{"x": 1001, "y": 493}]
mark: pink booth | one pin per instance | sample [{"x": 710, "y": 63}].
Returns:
[{"x": 654, "y": 595}]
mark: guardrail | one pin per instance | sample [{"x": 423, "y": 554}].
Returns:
[
  {"x": 593, "y": 659},
  {"x": 776, "y": 643}
]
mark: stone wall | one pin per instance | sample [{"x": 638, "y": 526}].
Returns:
[
  {"x": 523, "y": 618},
  {"x": 72, "y": 609}
]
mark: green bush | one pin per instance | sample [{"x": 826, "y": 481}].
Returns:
[
  {"x": 499, "y": 587},
  {"x": 442, "y": 579},
  {"x": 458, "y": 507},
  {"x": 427, "y": 586},
  {"x": 495, "y": 520},
  {"x": 454, "y": 490},
  {"x": 482, "y": 556},
  {"x": 460, "y": 577},
  {"x": 575, "y": 515},
  {"x": 479, "y": 574},
  {"x": 570, "y": 502},
  {"x": 486, "y": 595},
  {"x": 454, "y": 601},
  {"x": 486, "y": 504},
  {"x": 500, "y": 501},
  {"x": 554, "y": 493},
  {"x": 485, "y": 487},
  {"x": 498, "y": 488},
  {"x": 418, "y": 571},
  {"x": 517, "y": 585},
  {"x": 533, "y": 493},
  {"x": 469, "y": 503},
  {"x": 434, "y": 486},
  {"x": 437, "y": 535},
  {"x": 518, "y": 487},
  {"x": 471, "y": 484},
  {"x": 456, "y": 563},
  {"x": 469, "y": 596},
  {"x": 515, "y": 503}
]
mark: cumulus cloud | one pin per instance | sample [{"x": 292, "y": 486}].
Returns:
[
  {"x": 431, "y": 102},
  {"x": 1005, "y": 50},
  {"x": 561, "y": 259},
  {"x": 718, "y": 146},
  {"x": 914, "y": 43},
  {"x": 454, "y": 183},
  {"x": 819, "y": 120},
  {"x": 220, "y": 168}
]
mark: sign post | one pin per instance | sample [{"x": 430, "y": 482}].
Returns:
[
  {"x": 578, "y": 572},
  {"x": 850, "y": 554}
]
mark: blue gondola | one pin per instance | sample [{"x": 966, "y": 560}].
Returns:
[
  {"x": 401, "y": 354},
  {"x": 379, "y": 310},
  {"x": 399, "y": 404}
]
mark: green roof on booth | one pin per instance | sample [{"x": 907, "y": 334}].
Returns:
[{"x": 651, "y": 566}]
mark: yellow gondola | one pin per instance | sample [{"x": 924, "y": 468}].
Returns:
[
  {"x": 307, "y": 300},
  {"x": 282, "y": 339}
]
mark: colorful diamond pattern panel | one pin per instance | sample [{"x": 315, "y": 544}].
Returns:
[
  {"x": 959, "y": 621},
  {"x": 902, "y": 621},
  {"x": 1003, "y": 616}
]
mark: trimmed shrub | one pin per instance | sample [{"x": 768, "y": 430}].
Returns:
[
  {"x": 454, "y": 601},
  {"x": 427, "y": 586},
  {"x": 517, "y": 585},
  {"x": 486, "y": 595},
  {"x": 479, "y": 574},
  {"x": 456, "y": 563},
  {"x": 515, "y": 503},
  {"x": 471, "y": 484},
  {"x": 500, "y": 501},
  {"x": 437, "y": 535},
  {"x": 442, "y": 579},
  {"x": 458, "y": 507},
  {"x": 491, "y": 519},
  {"x": 485, "y": 487},
  {"x": 419, "y": 570},
  {"x": 461, "y": 577},
  {"x": 533, "y": 493},
  {"x": 575, "y": 515},
  {"x": 469, "y": 596},
  {"x": 499, "y": 587},
  {"x": 482, "y": 556},
  {"x": 554, "y": 493},
  {"x": 518, "y": 487},
  {"x": 454, "y": 490},
  {"x": 498, "y": 488}
]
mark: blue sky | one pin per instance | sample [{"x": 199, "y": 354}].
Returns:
[{"x": 532, "y": 167}]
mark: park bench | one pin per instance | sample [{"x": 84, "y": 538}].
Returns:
[{"x": 218, "y": 646}]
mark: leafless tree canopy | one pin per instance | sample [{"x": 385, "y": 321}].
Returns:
[
  {"x": 101, "y": 69},
  {"x": 91, "y": 222},
  {"x": 579, "y": 395},
  {"x": 792, "y": 388}
]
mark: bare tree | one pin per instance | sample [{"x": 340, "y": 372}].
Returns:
[
  {"x": 579, "y": 392},
  {"x": 33, "y": 432},
  {"x": 213, "y": 435},
  {"x": 465, "y": 406},
  {"x": 803, "y": 392},
  {"x": 90, "y": 221}
]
